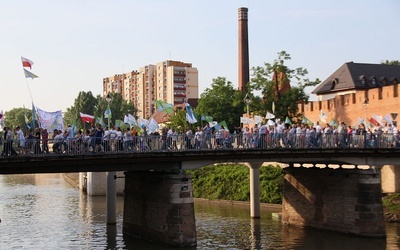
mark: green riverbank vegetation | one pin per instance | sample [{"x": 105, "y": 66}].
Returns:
[{"x": 232, "y": 182}]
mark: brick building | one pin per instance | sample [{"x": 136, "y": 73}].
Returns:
[
  {"x": 170, "y": 81},
  {"x": 356, "y": 91}
]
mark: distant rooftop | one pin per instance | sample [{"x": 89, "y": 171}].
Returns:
[{"x": 357, "y": 76}]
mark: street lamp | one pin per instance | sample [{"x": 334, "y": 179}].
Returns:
[
  {"x": 111, "y": 192},
  {"x": 247, "y": 101},
  {"x": 108, "y": 100},
  {"x": 365, "y": 107}
]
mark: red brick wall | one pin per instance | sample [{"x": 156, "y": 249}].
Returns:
[{"x": 349, "y": 107}]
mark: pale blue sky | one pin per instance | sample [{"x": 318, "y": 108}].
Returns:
[{"x": 74, "y": 44}]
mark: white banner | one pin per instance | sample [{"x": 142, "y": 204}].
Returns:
[{"x": 50, "y": 120}]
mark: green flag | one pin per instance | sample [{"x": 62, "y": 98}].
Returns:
[
  {"x": 107, "y": 113},
  {"x": 163, "y": 106},
  {"x": 223, "y": 123},
  {"x": 287, "y": 121}
]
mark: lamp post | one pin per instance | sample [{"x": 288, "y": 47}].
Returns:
[
  {"x": 108, "y": 100},
  {"x": 365, "y": 107},
  {"x": 247, "y": 101},
  {"x": 111, "y": 192}
]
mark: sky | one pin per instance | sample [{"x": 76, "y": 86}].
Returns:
[{"x": 75, "y": 44}]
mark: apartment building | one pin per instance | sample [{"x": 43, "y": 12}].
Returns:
[{"x": 169, "y": 81}]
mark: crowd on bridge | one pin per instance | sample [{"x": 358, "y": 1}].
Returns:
[{"x": 112, "y": 140}]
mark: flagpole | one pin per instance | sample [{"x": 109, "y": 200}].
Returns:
[
  {"x": 30, "y": 93},
  {"x": 29, "y": 89}
]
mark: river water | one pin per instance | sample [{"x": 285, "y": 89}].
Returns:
[{"x": 43, "y": 211}]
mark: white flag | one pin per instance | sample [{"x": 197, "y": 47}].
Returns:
[
  {"x": 152, "y": 126},
  {"x": 269, "y": 116},
  {"x": 271, "y": 123},
  {"x": 189, "y": 114},
  {"x": 257, "y": 119},
  {"x": 142, "y": 122},
  {"x": 213, "y": 123}
]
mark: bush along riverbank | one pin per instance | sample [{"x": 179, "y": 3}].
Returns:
[
  {"x": 391, "y": 207},
  {"x": 232, "y": 182}
]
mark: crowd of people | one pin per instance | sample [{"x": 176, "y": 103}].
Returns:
[{"x": 114, "y": 139}]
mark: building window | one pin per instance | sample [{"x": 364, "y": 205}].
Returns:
[
  {"x": 362, "y": 79},
  {"x": 380, "y": 94},
  {"x": 334, "y": 82},
  {"x": 395, "y": 90}
]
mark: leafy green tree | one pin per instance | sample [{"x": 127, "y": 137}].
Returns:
[
  {"x": 223, "y": 102},
  {"x": 393, "y": 62},
  {"x": 16, "y": 117},
  {"x": 88, "y": 104},
  {"x": 84, "y": 103},
  {"x": 280, "y": 85},
  {"x": 178, "y": 121}
]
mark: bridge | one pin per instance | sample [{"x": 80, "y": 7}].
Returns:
[{"x": 330, "y": 186}]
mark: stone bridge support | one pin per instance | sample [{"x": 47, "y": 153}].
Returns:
[
  {"x": 254, "y": 188},
  {"x": 390, "y": 179},
  {"x": 159, "y": 206},
  {"x": 342, "y": 200},
  {"x": 95, "y": 183}
]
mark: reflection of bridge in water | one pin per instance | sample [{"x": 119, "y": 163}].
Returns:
[{"x": 338, "y": 188}]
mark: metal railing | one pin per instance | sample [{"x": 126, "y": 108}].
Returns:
[{"x": 82, "y": 146}]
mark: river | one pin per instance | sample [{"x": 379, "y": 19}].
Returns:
[{"x": 43, "y": 211}]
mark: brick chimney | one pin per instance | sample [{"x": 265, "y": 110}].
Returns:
[{"x": 244, "y": 70}]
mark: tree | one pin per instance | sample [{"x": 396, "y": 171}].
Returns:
[
  {"x": 84, "y": 103},
  {"x": 178, "y": 121},
  {"x": 222, "y": 102},
  {"x": 393, "y": 62},
  {"x": 275, "y": 81},
  {"x": 16, "y": 117},
  {"x": 88, "y": 104}
]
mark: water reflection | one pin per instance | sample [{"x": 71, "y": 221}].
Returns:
[{"x": 44, "y": 212}]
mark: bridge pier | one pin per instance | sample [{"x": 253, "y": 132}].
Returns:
[
  {"x": 390, "y": 178},
  {"x": 159, "y": 206},
  {"x": 342, "y": 200},
  {"x": 95, "y": 183},
  {"x": 254, "y": 188}
]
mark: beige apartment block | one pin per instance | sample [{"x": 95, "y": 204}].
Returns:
[{"x": 171, "y": 81}]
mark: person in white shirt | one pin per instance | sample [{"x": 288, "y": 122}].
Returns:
[
  {"x": 318, "y": 131},
  {"x": 21, "y": 140},
  {"x": 395, "y": 136},
  {"x": 106, "y": 140},
  {"x": 174, "y": 139},
  {"x": 198, "y": 137},
  {"x": 188, "y": 138},
  {"x": 128, "y": 139},
  {"x": 119, "y": 144}
]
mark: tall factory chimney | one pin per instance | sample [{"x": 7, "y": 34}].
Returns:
[{"x": 244, "y": 70}]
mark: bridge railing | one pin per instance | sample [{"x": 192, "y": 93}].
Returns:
[{"x": 138, "y": 144}]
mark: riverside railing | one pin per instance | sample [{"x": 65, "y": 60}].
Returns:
[{"x": 138, "y": 144}]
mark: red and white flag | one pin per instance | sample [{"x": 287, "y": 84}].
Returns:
[
  {"x": 26, "y": 62},
  {"x": 86, "y": 118}
]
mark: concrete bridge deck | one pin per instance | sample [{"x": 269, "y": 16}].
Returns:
[{"x": 177, "y": 160}]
